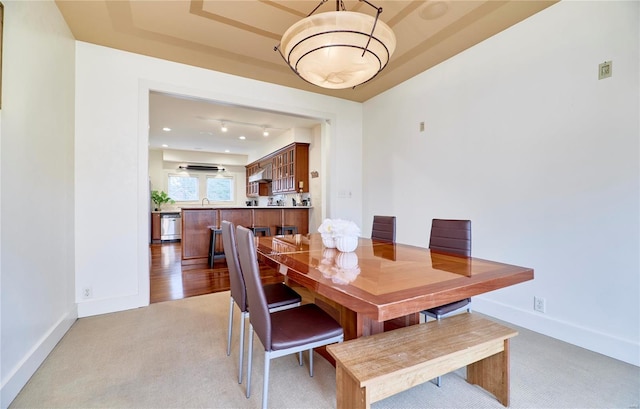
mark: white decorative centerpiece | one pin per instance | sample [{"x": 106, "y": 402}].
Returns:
[
  {"x": 342, "y": 234},
  {"x": 347, "y": 243},
  {"x": 329, "y": 241},
  {"x": 326, "y": 231}
]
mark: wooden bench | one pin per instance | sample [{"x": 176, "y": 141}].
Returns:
[{"x": 369, "y": 369}]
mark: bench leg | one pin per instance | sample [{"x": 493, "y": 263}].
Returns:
[
  {"x": 492, "y": 374},
  {"x": 349, "y": 394}
]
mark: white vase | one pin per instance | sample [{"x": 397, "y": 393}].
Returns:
[
  {"x": 328, "y": 241},
  {"x": 347, "y": 243}
]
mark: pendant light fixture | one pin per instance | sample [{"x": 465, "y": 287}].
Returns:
[{"x": 338, "y": 49}]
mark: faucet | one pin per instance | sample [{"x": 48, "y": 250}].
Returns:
[{"x": 203, "y": 199}]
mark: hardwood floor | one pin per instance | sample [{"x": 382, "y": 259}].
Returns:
[{"x": 170, "y": 280}]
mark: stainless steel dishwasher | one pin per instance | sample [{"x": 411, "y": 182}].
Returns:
[{"x": 170, "y": 226}]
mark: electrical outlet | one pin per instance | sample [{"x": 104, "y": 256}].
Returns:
[
  {"x": 539, "y": 304},
  {"x": 87, "y": 292}
]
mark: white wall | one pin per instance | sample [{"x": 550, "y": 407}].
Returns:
[
  {"x": 36, "y": 243},
  {"x": 523, "y": 139},
  {"x": 156, "y": 173},
  {"x": 112, "y": 118},
  {"x": 316, "y": 214},
  {"x": 272, "y": 145}
]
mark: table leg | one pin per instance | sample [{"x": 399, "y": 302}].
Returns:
[
  {"x": 407, "y": 320},
  {"x": 366, "y": 326}
]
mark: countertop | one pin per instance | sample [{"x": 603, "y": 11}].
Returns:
[
  {"x": 244, "y": 207},
  {"x": 207, "y": 207}
]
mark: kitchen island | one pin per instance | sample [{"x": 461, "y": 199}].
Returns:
[{"x": 197, "y": 220}]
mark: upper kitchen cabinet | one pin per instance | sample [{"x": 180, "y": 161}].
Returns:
[
  {"x": 259, "y": 187},
  {"x": 291, "y": 169}
]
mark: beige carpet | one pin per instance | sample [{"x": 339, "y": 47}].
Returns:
[{"x": 173, "y": 355}]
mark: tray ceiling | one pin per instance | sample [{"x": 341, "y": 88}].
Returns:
[{"x": 238, "y": 36}]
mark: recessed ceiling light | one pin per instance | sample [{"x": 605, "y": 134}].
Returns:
[
  {"x": 166, "y": 129},
  {"x": 223, "y": 128},
  {"x": 265, "y": 132},
  {"x": 242, "y": 137},
  {"x": 227, "y": 151},
  {"x": 164, "y": 145}
]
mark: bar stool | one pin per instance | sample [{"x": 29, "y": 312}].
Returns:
[
  {"x": 212, "y": 244},
  {"x": 283, "y": 229},
  {"x": 266, "y": 231}
]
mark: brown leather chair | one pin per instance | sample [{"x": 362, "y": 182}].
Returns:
[
  {"x": 450, "y": 237},
  {"x": 279, "y": 296},
  {"x": 284, "y": 332},
  {"x": 384, "y": 229}
]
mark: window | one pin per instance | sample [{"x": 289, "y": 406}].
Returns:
[
  {"x": 220, "y": 188},
  {"x": 183, "y": 188}
]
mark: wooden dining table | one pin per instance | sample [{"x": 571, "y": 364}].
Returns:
[{"x": 382, "y": 285}]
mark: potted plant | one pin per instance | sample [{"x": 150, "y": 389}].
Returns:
[{"x": 160, "y": 198}]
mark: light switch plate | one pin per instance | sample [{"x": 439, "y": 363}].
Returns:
[{"x": 605, "y": 70}]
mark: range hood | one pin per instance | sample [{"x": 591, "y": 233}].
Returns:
[{"x": 263, "y": 176}]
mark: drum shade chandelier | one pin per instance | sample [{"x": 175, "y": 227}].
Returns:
[{"x": 338, "y": 49}]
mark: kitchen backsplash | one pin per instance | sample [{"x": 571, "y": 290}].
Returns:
[
  {"x": 285, "y": 199},
  {"x": 275, "y": 200}
]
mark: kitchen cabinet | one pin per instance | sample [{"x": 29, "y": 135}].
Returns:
[
  {"x": 267, "y": 218},
  {"x": 155, "y": 227},
  {"x": 298, "y": 218},
  {"x": 237, "y": 216},
  {"x": 255, "y": 189},
  {"x": 252, "y": 187},
  {"x": 291, "y": 169},
  {"x": 196, "y": 234}
]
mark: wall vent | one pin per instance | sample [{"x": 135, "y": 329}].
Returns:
[{"x": 202, "y": 168}]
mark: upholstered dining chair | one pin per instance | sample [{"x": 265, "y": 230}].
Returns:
[
  {"x": 451, "y": 237},
  {"x": 284, "y": 332},
  {"x": 384, "y": 229},
  {"x": 279, "y": 296}
]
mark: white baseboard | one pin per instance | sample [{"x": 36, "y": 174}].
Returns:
[
  {"x": 614, "y": 347},
  {"x": 89, "y": 308},
  {"x": 21, "y": 374}
]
